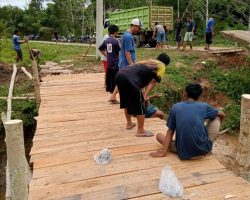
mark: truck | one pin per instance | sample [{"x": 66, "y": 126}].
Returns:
[{"x": 148, "y": 16}]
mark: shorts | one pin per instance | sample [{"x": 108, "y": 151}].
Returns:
[
  {"x": 131, "y": 96},
  {"x": 110, "y": 79},
  {"x": 19, "y": 54},
  {"x": 105, "y": 65},
  {"x": 178, "y": 37},
  {"x": 160, "y": 37},
  {"x": 209, "y": 37},
  {"x": 150, "y": 110},
  {"x": 188, "y": 37}
]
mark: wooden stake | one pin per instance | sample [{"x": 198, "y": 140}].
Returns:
[
  {"x": 36, "y": 83},
  {"x": 243, "y": 154}
]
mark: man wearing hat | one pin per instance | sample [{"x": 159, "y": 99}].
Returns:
[
  {"x": 130, "y": 82},
  {"x": 127, "y": 56}
]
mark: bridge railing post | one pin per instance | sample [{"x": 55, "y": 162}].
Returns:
[
  {"x": 19, "y": 172},
  {"x": 243, "y": 153}
]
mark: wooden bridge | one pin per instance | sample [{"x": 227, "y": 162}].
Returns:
[{"x": 76, "y": 121}]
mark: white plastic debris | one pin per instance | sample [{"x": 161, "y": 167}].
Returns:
[
  {"x": 229, "y": 196},
  {"x": 169, "y": 183},
  {"x": 103, "y": 157}
]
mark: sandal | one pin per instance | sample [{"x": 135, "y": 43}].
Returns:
[
  {"x": 145, "y": 134},
  {"x": 132, "y": 126}
]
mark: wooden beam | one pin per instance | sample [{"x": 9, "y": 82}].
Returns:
[{"x": 27, "y": 73}]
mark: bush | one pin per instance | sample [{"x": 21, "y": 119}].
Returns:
[{"x": 46, "y": 33}]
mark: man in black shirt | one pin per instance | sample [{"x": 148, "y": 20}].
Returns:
[
  {"x": 131, "y": 80},
  {"x": 178, "y": 28}
]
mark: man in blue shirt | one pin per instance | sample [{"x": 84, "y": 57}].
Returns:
[
  {"x": 209, "y": 33},
  {"x": 17, "y": 46},
  {"x": 127, "y": 56},
  {"x": 193, "y": 138}
]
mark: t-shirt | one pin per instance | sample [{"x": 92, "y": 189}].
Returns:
[
  {"x": 187, "y": 119},
  {"x": 104, "y": 58},
  {"x": 127, "y": 44},
  {"x": 141, "y": 73},
  {"x": 159, "y": 28},
  {"x": 210, "y": 25},
  {"x": 112, "y": 47},
  {"x": 190, "y": 26},
  {"x": 16, "y": 44}
]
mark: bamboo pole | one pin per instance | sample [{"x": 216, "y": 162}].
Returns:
[
  {"x": 27, "y": 73},
  {"x": 12, "y": 82},
  {"x": 17, "y": 163},
  {"x": 36, "y": 83},
  {"x": 243, "y": 154}
]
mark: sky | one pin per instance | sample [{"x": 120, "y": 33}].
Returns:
[{"x": 18, "y": 3}]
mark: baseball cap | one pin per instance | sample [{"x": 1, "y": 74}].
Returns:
[{"x": 137, "y": 22}]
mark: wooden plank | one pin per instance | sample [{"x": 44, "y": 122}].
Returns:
[
  {"x": 132, "y": 177},
  {"x": 120, "y": 164}
]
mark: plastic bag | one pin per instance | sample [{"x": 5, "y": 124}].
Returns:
[
  {"x": 169, "y": 183},
  {"x": 103, "y": 157}
]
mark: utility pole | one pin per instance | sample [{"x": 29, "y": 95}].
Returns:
[
  {"x": 206, "y": 11},
  {"x": 99, "y": 25},
  {"x": 178, "y": 8}
]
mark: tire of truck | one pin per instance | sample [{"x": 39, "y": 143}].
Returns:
[
  {"x": 137, "y": 41},
  {"x": 152, "y": 43}
]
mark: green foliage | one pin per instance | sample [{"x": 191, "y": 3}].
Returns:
[{"x": 232, "y": 119}]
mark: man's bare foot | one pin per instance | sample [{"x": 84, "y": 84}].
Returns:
[{"x": 130, "y": 126}]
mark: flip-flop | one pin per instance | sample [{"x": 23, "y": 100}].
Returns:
[
  {"x": 145, "y": 134},
  {"x": 113, "y": 101},
  {"x": 132, "y": 126}
]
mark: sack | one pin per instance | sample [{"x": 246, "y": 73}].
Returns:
[{"x": 169, "y": 183}]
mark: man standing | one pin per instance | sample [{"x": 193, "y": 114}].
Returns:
[
  {"x": 131, "y": 80},
  {"x": 193, "y": 138},
  {"x": 17, "y": 46},
  {"x": 160, "y": 39},
  {"x": 110, "y": 48},
  {"x": 209, "y": 33},
  {"x": 178, "y": 28},
  {"x": 189, "y": 34},
  {"x": 127, "y": 56}
]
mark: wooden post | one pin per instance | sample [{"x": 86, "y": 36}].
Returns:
[
  {"x": 36, "y": 83},
  {"x": 243, "y": 154},
  {"x": 17, "y": 163}
]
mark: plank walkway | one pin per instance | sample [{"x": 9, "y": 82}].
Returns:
[{"x": 76, "y": 121}]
